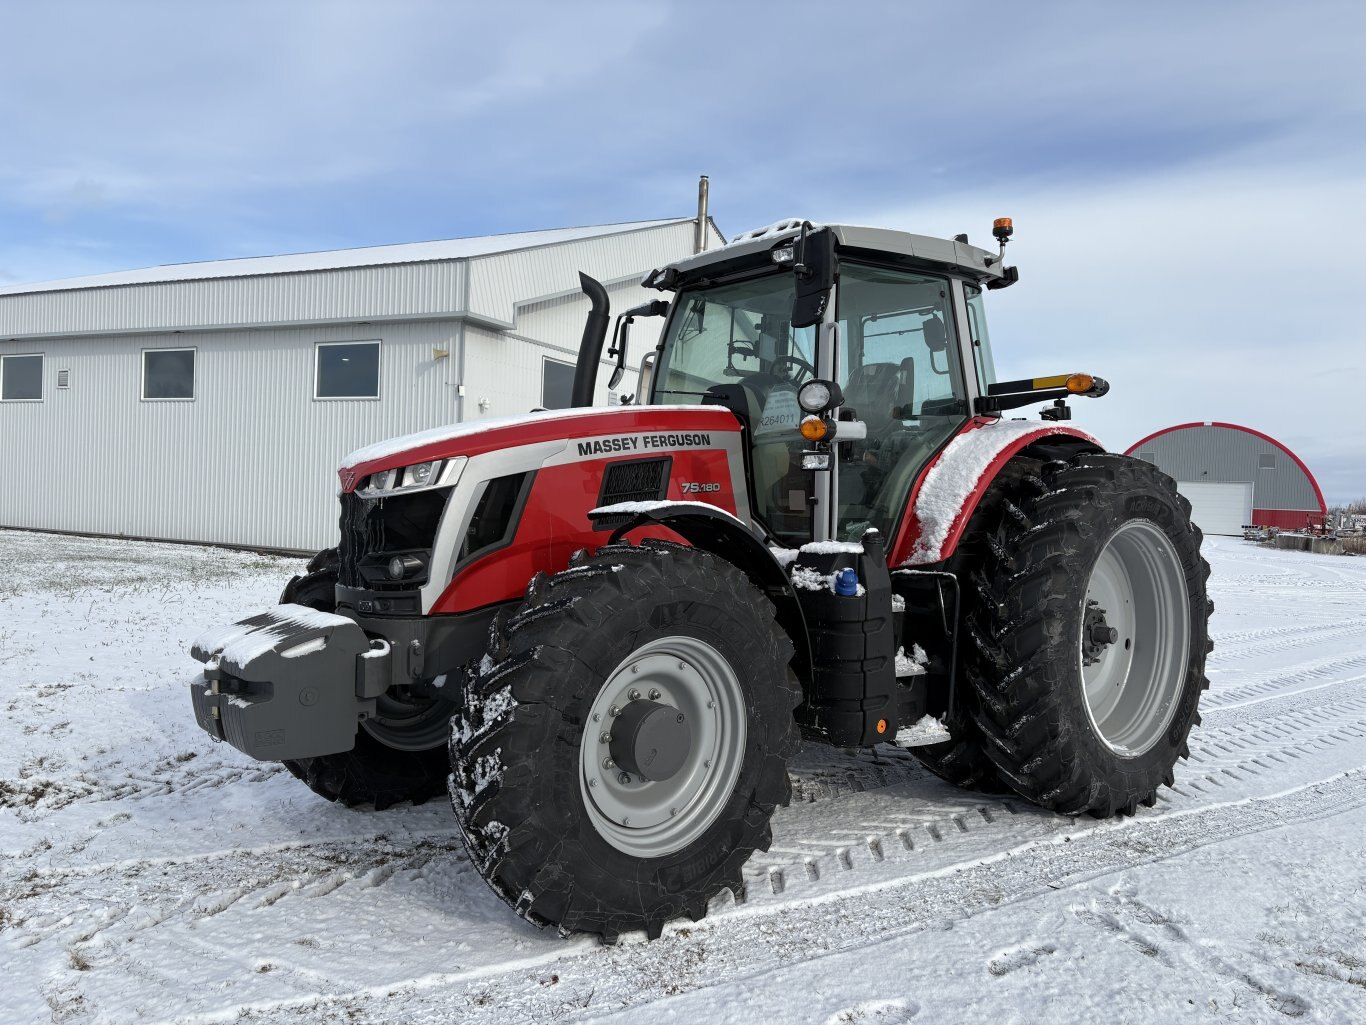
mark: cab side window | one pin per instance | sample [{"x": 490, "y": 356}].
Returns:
[{"x": 981, "y": 341}]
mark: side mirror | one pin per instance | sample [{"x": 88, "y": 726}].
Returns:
[
  {"x": 646, "y": 378},
  {"x": 816, "y": 267},
  {"x": 657, "y": 308}
]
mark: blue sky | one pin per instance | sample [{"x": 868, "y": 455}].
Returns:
[{"x": 1185, "y": 178}]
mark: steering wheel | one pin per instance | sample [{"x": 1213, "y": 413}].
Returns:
[{"x": 797, "y": 361}]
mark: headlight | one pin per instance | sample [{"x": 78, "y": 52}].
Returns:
[
  {"x": 417, "y": 477},
  {"x": 818, "y": 396},
  {"x": 419, "y": 474}
]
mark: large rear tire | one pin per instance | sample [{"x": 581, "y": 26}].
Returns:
[
  {"x": 412, "y": 766},
  {"x": 1084, "y": 652},
  {"x": 552, "y": 804}
]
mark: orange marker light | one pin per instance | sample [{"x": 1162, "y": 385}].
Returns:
[
  {"x": 1003, "y": 222},
  {"x": 1079, "y": 384},
  {"x": 813, "y": 428},
  {"x": 882, "y": 725}
]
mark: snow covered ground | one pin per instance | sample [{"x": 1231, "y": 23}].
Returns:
[{"x": 150, "y": 876}]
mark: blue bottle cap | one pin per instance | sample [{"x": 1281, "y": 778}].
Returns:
[{"x": 846, "y": 583}]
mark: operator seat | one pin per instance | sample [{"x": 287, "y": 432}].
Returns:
[{"x": 872, "y": 392}]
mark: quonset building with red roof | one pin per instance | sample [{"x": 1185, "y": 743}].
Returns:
[{"x": 1234, "y": 476}]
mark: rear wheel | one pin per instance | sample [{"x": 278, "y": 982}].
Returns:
[
  {"x": 624, "y": 744},
  {"x": 1085, "y": 647},
  {"x": 398, "y": 756}
]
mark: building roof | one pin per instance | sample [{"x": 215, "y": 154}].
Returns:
[
  {"x": 366, "y": 256},
  {"x": 484, "y": 280},
  {"x": 1179, "y": 462}
]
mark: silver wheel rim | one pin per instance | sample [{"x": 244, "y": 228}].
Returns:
[
  {"x": 649, "y": 819},
  {"x": 1133, "y": 685}
]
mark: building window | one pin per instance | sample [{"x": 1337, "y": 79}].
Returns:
[
  {"x": 168, "y": 373},
  {"x": 347, "y": 370},
  {"x": 557, "y": 384},
  {"x": 21, "y": 378},
  {"x": 1266, "y": 461}
]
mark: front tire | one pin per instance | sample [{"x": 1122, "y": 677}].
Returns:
[
  {"x": 373, "y": 773},
  {"x": 1085, "y": 649},
  {"x": 553, "y": 820}
]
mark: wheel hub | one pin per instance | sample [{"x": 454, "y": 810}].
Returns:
[
  {"x": 651, "y": 740},
  {"x": 1096, "y": 634}
]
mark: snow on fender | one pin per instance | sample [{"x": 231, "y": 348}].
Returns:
[{"x": 949, "y": 491}]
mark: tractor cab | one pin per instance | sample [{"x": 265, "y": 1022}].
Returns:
[{"x": 845, "y": 397}]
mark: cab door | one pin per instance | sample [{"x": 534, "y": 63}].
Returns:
[{"x": 900, "y": 367}]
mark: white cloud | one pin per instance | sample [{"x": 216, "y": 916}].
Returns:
[{"x": 1202, "y": 294}]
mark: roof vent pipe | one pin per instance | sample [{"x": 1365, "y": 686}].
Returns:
[{"x": 700, "y": 236}]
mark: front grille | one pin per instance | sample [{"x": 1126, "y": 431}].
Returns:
[
  {"x": 636, "y": 480},
  {"x": 374, "y": 530}
]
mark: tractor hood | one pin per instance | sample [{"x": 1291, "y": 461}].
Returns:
[{"x": 624, "y": 429}]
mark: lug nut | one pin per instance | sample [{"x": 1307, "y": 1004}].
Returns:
[
  {"x": 654, "y": 693},
  {"x": 604, "y": 738},
  {"x": 614, "y": 711},
  {"x": 597, "y": 717},
  {"x": 625, "y": 777},
  {"x": 607, "y": 763},
  {"x": 633, "y": 694}
]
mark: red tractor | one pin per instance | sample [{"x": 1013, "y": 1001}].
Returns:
[{"x": 606, "y": 630}]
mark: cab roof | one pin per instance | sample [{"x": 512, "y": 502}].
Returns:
[{"x": 751, "y": 247}]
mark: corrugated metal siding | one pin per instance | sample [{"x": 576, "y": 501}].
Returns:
[
  {"x": 252, "y": 460},
  {"x": 406, "y": 290},
  {"x": 1210, "y": 453},
  {"x": 360, "y": 293},
  {"x": 498, "y": 283}
]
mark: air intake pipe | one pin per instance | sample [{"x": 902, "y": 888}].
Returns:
[{"x": 594, "y": 337}]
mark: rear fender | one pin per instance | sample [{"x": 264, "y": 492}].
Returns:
[
  {"x": 948, "y": 490},
  {"x": 723, "y": 535}
]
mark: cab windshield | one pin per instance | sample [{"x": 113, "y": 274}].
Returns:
[{"x": 897, "y": 364}]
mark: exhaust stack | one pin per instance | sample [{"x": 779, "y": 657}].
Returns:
[
  {"x": 700, "y": 235},
  {"x": 590, "y": 349}
]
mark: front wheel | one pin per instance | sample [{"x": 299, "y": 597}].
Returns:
[
  {"x": 1086, "y": 651},
  {"x": 622, "y": 747}
]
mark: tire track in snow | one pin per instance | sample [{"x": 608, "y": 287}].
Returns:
[
  {"x": 1292, "y": 638},
  {"x": 139, "y": 895},
  {"x": 1237, "y": 753},
  {"x": 758, "y": 938}
]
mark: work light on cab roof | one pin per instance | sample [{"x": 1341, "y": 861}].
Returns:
[{"x": 606, "y": 629}]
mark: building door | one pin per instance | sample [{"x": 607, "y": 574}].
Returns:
[{"x": 1218, "y": 508}]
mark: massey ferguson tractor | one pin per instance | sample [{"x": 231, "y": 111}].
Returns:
[{"x": 605, "y": 630}]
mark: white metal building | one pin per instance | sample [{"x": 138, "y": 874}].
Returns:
[{"x": 213, "y": 401}]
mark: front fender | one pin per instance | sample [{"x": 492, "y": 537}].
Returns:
[{"x": 717, "y": 531}]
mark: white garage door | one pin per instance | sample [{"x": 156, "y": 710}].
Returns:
[{"x": 1218, "y": 508}]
